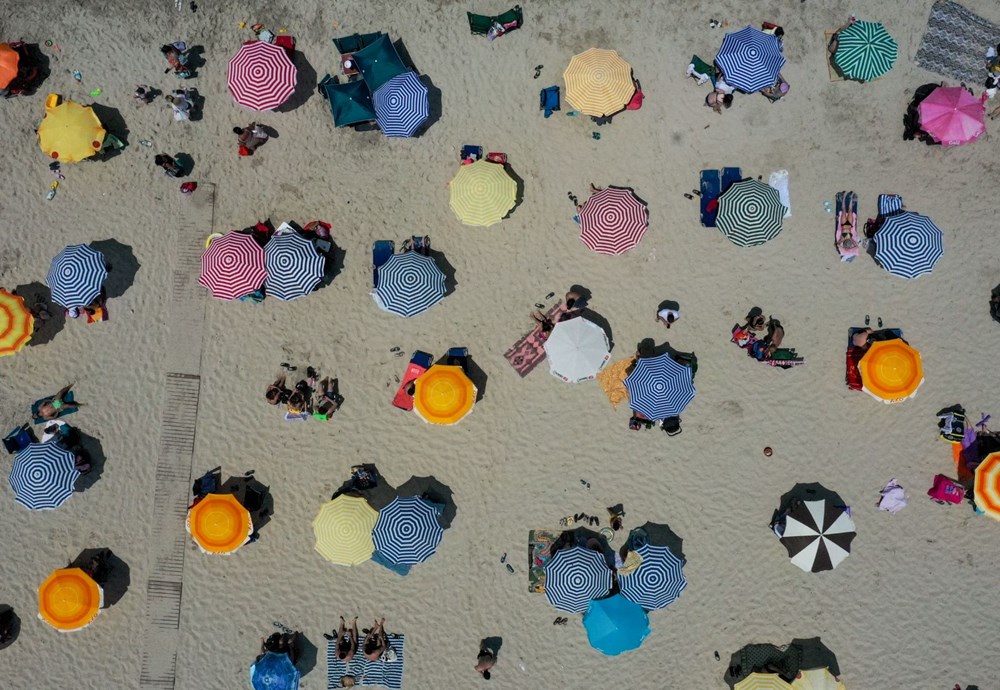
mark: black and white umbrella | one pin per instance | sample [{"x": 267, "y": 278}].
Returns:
[
  {"x": 293, "y": 265},
  {"x": 409, "y": 283},
  {"x": 43, "y": 476},
  {"x": 76, "y": 276},
  {"x": 818, "y": 535},
  {"x": 575, "y": 577}
]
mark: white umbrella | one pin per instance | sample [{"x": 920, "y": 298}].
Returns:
[{"x": 577, "y": 349}]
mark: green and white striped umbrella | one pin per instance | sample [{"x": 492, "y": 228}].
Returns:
[
  {"x": 750, "y": 213},
  {"x": 865, "y": 51}
]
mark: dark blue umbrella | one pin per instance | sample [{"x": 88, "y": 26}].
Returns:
[
  {"x": 274, "y": 671},
  {"x": 407, "y": 530},
  {"x": 293, "y": 265},
  {"x": 750, "y": 59},
  {"x": 615, "y": 625},
  {"x": 409, "y": 283},
  {"x": 401, "y": 105},
  {"x": 576, "y": 576},
  {"x": 908, "y": 244},
  {"x": 43, "y": 476},
  {"x": 76, "y": 276},
  {"x": 659, "y": 387},
  {"x": 657, "y": 581}
]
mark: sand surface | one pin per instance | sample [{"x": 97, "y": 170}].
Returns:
[{"x": 906, "y": 610}]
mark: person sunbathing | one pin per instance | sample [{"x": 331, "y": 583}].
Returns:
[
  {"x": 545, "y": 324},
  {"x": 775, "y": 334},
  {"x": 847, "y": 220},
  {"x": 297, "y": 402},
  {"x": 347, "y": 639},
  {"x": 57, "y": 405},
  {"x": 328, "y": 401},
  {"x": 250, "y": 136},
  {"x": 375, "y": 642},
  {"x": 276, "y": 392}
]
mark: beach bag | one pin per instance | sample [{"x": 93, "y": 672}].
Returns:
[
  {"x": 944, "y": 490},
  {"x": 244, "y": 151}
]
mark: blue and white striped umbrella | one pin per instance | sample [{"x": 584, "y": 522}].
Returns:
[
  {"x": 657, "y": 581},
  {"x": 908, "y": 244},
  {"x": 576, "y": 576},
  {"x": 407, "y": 530},
  {"x": 401, "y": 105},
  {"x": 293, "y": 265},
  {"x": 750, "y": 59},
  {"x": 43, "y": 476},
  {"x": 659, "y": 387},
  {"x": 409, "y": 283},
  {"x": 76, "y": 276}
]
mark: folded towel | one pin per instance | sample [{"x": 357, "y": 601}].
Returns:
[{"x": 779, "y": 181}]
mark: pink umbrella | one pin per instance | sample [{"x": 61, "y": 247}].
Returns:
[
  {"x": 613, "y": 220},
  {"x": 233, "y": 266},
  {"x": 261, "y": 75},
  {"x": 952, "y": 116}
]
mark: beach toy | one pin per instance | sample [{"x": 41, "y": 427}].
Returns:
[
  {"x": 767, "y": 451},
  {"x": 48, "y": 43},
  {"x": 96, "y": 92},
  {"x": 219, "y": 524},
  {"x": 242, "y": 25},
  {"x": 77, "y": 75},
  {"x": 69, "y": 599}
]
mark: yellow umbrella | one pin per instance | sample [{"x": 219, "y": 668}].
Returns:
[
  {"x": 482, "y": 193},
  {"x": 70, "y": 132},
  {"x": 599, "y": 82},
  {"x": 891, "y": 370},
  {"x": 987, "y": 491},
  {"x": 343, "y": 529},
  {"x": 16, "y": 323},
  {"x": 443, "y": 395},
  {"x": 817, "y": 679},
  {"x": 219, "y": 523},
  {"x": 69, "y": 599},
  {"x": 762, "y": 681}
]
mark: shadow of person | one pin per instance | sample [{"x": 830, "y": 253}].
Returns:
[
  {"x": 10, "y": 626},
  {"x": 186, "y": 163},
  {"x": 112, "y": 121},
  {"x": 198, "y": 104},
  {"x": 519, "y": 194},
  {"x": 305, "y": 83},
  {"x": 93, "y": 452},
  {"x": 118, "y": 578},
  {"x": 492, "y": 643},
  {"x": 195, "y": 59},
  {"x": 38, "y": 299},
  {"x": 435, "y": 492},
  {"x": 122, "y": 266}
]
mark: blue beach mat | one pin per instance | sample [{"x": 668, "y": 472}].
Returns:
[{"x": 388, "y": 674}]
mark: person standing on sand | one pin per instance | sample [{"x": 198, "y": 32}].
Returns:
[
  {"x": 668, "y": 312},
  {"x": 485, "y": 661}
]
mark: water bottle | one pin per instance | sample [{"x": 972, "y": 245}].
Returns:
[
  {"x": 520, "y": 664},
  {"x": 146, "y": 142}
]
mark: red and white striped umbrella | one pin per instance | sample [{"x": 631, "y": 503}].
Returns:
[
  {"x": 613, "y": 221},
  {"x": 233, "y": 266},
  {"x": 261, "y": 75}
]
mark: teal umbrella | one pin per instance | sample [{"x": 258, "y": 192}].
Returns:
[
  {"x": 615, "y": 625},
  {"x": 865, "y": 51},
  {"x": 379, "y": 62},
  {"x": 351, "y": 102}
]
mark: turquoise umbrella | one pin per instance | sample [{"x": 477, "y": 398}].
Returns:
[
  {"x": 379, "y": 62},
  {"x": 865, "y": 51},
  {"x": 615, "y": 625}
]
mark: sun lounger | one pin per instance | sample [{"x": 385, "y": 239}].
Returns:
[
  {"x": 470, "y": 152},
  {"x": 382, "y": 251},
  {"x": 847, "y": 222},
  {"x": 461, "y": 356},
  {"x": 355, "y": 42},
  {"x": 62, "y": 413},
  {"x": 711, "y": 187},
  {"x": 480, "y": 24},
  {"x": 18, "y": 439},
  {"x": 387, "y": 674},
  {"x": 419, "y": 363},
  {"x": 529, "y": 351},
  {"x": 548, "y": 100},
  {"x": 730, "y": 176}
]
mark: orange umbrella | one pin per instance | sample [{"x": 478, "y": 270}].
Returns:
[
  {"x": 69, "y": 599},
  {"x": 443, "y": 395},
  {"x": 987, "y": 491},
  {"x": 8, "y": 65},
  {"x": 891, "y": 370},
  {"x": 219, "y": 524},
  {"x": 16, "y": 323}
]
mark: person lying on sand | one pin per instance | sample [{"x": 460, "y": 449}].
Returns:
[
  {"x": 276, "y": 392},
  {"x": 347, "y": 639},
  {"x": 328, "y": 399},
  {"x": 545, "y": 324},
  {"x": 375, "y": 642},
  {"x": 57, "y": 405}
]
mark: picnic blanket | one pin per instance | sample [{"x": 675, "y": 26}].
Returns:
[
  {"x": 529, "y": 351},
  {"x": 539, "y": 541},
  {"x": 612, "y": 380},
  {"x": 388, "y": 674},
  {"x": 778, "y": 181},
  {"x": 956, "y": 41}
]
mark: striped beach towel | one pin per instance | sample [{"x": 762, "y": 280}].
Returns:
[{"x": 387, "y": 674}]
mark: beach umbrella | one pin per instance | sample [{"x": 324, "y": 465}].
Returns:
[
  {"x": 658, "y": 580},
  {"x": 613, "y": 221},
  {"x": 762, "y": 681},
  {"x": 274, "y": 671},
  {"x": 9, "y": 59},
  {"x": 378, "y": 62},
  {"x": 43, "y": 475},
  {"x": 818, "y": 535},
  {"x": 817, "y": 679},
  {"x": 76, "y": 276},
  {"x": 615, "y": 625},
  {"x": 659, "y": 387},
  {"x": 401, "y": 105},
  {"x": 750, "y": 59},
  {"x": 293, "y": 266},
  {"x": 16, "y": 323},
  {"x": 599, "y": 82},
  {"x": 407, "y": 530},
  {"x": 987, "y": 486},
  {"x": 219, "y": 524},
  {"x": 70, "y": 132},
  {"x": 261, "y": 75},
  {"x": 350, "y": 102},
  {"x": 577, "y": 350},
  {"x": 343, "y": 530},
  {"x": 482, "y": 193},
  {"x": 750, "y": 213},
  {"x": 69, "y": 599},
  {"x": 443, "y": 394},
  {"x": 908, "y": 244},
  {"x": 409, "y": 283},
  {"x": 233, "y": 266},
  {"x": 865, "y": 51},
  {"x": 891, "y": 370},
  {"x": 952, "y": 115},
  {"x": 574, "y": 577}
]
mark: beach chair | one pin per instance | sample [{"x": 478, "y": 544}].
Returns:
[
  {"x": 459, "y": 356},
  {"x": 497, "y": 157},
  {"x": 548, "y": 100},
  {"x": 777, "y": 91},
  {"x": 382, "y": 251},
  {"x": 846, "y": 237},
  {"x": 701, "y": 71},
  {"x": 480, "y": 24},
  {"x": 730, "y": 176},
  {"x": 355, "y": 42},
  {"x": 711, "y": 187},
  {"x": 419, "y": 363},
  {"x": 254, "y": 495},
  {"x": 471, "y": 153}
]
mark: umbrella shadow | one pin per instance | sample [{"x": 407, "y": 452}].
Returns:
[
  {"x": 37, "y": 297},
  {"x": 252, "y": 495},
  {"x": 378, "y": 496},
  {"x": 198, "y": 104},
  {"x": 305, "y": 83},
  {"x": 519, "y": 194},
  {"x": 449, "y": 271},
  {"x": 630, "y": 191},
  {"x": 492, "y": 643},
  {"x": 195, "y": 59},
  {"x": 602, "y": 322},
  {"x": 112, "y": 121},
  {"x": 475, "y": 373},
  {"x": 93, "y": 452},
  {"x": 431, "y": 489},
  {"x": 307, "y": 654},
  {"x": 815, "y": 654},
  {"x": 10, "y": 626},
  {"x": 121, "y": 264},
  {"x": 118, "y": 576},
  {"x": 661, "y": 535},
  {"x": 41, "y": 61},
  {"x": 585, "y": 538},
  {"x": 404, "y": 54},
  {"x": 433, "y": 104}
]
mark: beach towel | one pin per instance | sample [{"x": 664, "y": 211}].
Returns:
[
  {"x": 404, "y": 400},
  {"x": 892, "y": 498},
  {"x": 387, "y": 674},
  {"x": 956, "y": 42},
  {"x": 701, "y": 70},
  {"x": 62, "y": 413},
  {"x": 778, "y": 180},
  {"x": 539, "y": 542},
  {"x": 612, "y": 380},
  {"x": 529, "y": 351}
]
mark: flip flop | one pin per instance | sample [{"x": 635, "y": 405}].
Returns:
[
  {"x": 288, "y": 367},
  {"x": 880, "y": 322},
  {"x": 868, "y": 319},
  {"x": 394, "y": 349}
]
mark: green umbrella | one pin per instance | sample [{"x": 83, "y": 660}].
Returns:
[
  {"x": 350, "y": 102},
  {"x": 379, "y": 62},
  {"x": 750, "y": 213},
  {"x": 865, "y": 51}
]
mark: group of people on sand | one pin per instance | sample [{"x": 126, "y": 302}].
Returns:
[
  {"x": 721, "y": 96},
  {"x": 62, "y": 434},
  {"x": 375, "y": 645},
  {"x": 762, "y": 337},
  {"x": 312, "y": 396},
  {"x": 281, "y": 643}
]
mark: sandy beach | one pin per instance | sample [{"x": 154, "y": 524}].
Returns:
[{"x": 905, "y": 610}]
